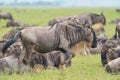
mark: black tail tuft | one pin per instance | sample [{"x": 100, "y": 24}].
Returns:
[{"x": 8, "y": 45}]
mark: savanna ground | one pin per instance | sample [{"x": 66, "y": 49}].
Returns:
[{"x": 83, "y": 67}]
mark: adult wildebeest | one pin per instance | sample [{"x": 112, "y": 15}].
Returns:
[
  {"x": 59, "y": 37},
  {"x": 86, "y": 20},
  {"x": 107, "y": 51},
  {"x": 117, "y": 31},
  {"x": 90, "y": 18},
  {"x": 6, "y": 16}
]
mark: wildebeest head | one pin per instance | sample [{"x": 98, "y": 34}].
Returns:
[
  {"x": 87, "y": 34},
  {"x": 98, "y": 18}
]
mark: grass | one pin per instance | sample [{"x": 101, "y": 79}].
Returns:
[{"x": 83, "y": 67}]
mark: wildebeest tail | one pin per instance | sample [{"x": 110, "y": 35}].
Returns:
[{"x": 10, "y": 42}]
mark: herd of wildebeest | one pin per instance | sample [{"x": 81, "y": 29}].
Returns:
[{"x": 28, "y": 47}]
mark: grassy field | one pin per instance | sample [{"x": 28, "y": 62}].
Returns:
[{"x": 83, "y": 67}]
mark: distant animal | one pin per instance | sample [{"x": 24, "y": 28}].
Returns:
[
  {"x": 115, "y": 21},
  {"x": 13, "y": 23},
  {"x": 117, "y": 10},
  {"x": 113, "y": 66},
  {"x": 60, "y": 37},
  {"x": 6, "y": 16}
]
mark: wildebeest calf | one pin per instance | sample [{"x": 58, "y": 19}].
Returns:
[{"x": 50, "y": 60}]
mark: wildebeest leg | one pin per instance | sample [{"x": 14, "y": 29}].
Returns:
[
  {"x": 87, "y": 47},
  {"x": 62, "y": 59},
  {"x": 20, "y": 60},
  {"x": 50, "y": 63},
  {"x": 28, "y": 55},
  {"x": 72, "y": 54}
]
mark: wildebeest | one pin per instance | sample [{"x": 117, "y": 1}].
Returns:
[
  {"x": 117, "y": 31},
  {"x": 113, "y": 66},
  {"x": 107, "y": 51},
  {"x": 115, "y": 21},
  {"x": 14, "y": 23},
  {"x": 60, "y": 37},
  {"x": 10, "y": 63},
  {"x": 117, "y": 10},
  {"x": 85, "y": 20},
  {"x": 50, "y": 60},
  {"x": 6, "y": 16}
]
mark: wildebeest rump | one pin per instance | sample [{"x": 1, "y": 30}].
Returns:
[
  {"x": 6, "y": 16},
  {"x": 60, "y": 37},
  {"x": 9, "y": 35}
]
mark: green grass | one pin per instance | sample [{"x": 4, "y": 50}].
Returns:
[{"x": 83, "y": 67}]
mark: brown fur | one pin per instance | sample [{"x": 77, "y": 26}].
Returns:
[{"x": 37, "y": 68}]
